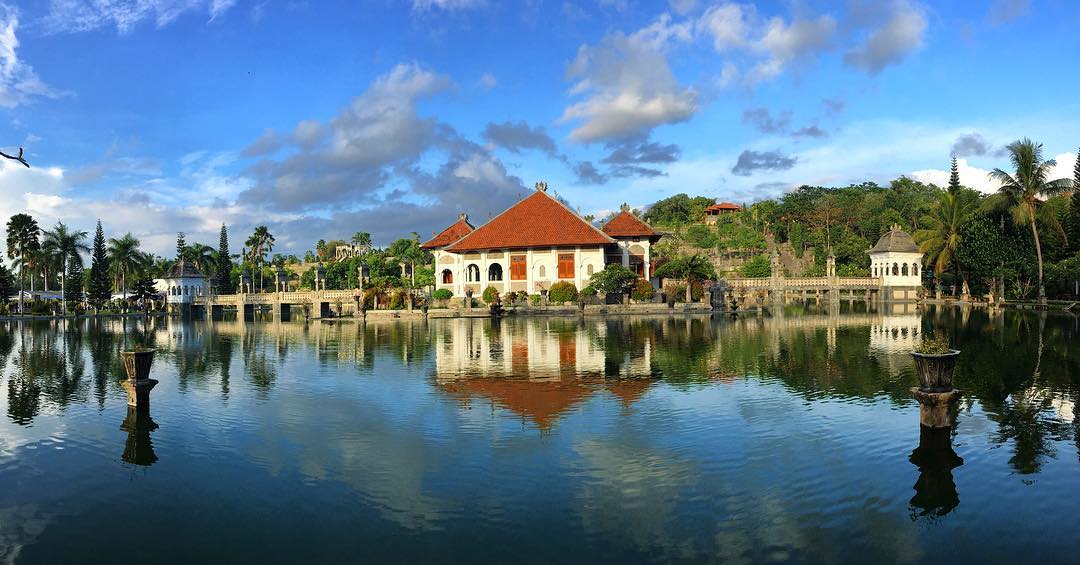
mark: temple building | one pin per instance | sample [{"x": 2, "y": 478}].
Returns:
[
  {"x": 181, "y": 286},
  {"x": 534, "y": 244},
  {"x": 716, "y": 210},
  {"x": 897, "y": 261}
]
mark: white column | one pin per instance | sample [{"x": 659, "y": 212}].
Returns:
[
  {"x": 648, "y": 255},
  {"x": 529, "y": 271}
]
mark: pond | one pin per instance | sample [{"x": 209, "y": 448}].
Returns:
[{"x": 790, "y": 436}]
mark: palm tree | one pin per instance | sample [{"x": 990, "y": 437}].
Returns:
[
  {"x": 940, "y": 239},
  {"x": 202, "y": 256},
  {"x": 125, "y": 257},
  {"x": 1024, "y": 191},
  {"x": 261, "y": 242},
  {"x": 692, "y": 268},
  {"x": 66, "y": 246},
  {"x": 362, "y": 239},
  {"x": 22, "y": 241}
]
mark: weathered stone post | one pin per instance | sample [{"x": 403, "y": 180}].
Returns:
[
  {"x": 468, "y": 298},
  {"x": 138, "y": 384}
]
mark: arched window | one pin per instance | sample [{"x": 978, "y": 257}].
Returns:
[
  {"x": 875, "y": 270},
  {"x": 495, "y": 272},
  {"x": 447, "y": 277},
  {"x": 588, "y": 270},
  {"x": 915, "y": 269},
  {"x": 895, "y": 269},
  {"x": 472, "y": 273},
  {"x": 903, "y": 270},
  {"x": 543, "y": 271}
]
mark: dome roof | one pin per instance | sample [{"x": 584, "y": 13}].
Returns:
[
  {"x": 183, "y": 269},
  {"x": 896, "y": 241}
]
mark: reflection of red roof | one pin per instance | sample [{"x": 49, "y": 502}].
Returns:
[
  {"x": 724, "y": 207},
  {"x": 537, "y": 221},
  {"x": 543, "y": 402},
  {"x": 625, "y": 224},
  {"x": 460, "y": 229},
  {"x": 629, "y": 390}
]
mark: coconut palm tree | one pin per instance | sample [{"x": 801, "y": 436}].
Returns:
[
  {"x": 940, "y": 239},
  {"x": 66, "y": 246},
  {"x": 125, "y": 258},
  {"x": 202, "y": 256},
  {"x": 22, "y": 242},
  {"x": 1024, "y": 190},
  {"x": 261, "y": 242}
]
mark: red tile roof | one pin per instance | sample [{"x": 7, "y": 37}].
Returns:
[
  {"x": 723, "y": 206},
  {"x": 626, "y": 224},
  {"x": 460, "y": 229},
  {"x": 537, "y": 221}
]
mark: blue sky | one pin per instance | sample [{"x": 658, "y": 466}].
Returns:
[{"x": 320, "y": 119}]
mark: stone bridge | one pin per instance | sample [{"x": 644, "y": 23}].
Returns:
[{"x": 316, "y": 302}]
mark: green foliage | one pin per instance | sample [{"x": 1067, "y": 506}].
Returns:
[
  {"x": 73, "y": 285},
  {"x": 224, "y": 269},
  {"x": 442, "y": 294},
  {"x": 7, "y": 283},
  {"x": 1062, "y": 276},
  {"x": 678, "y": 209},
  {"x": 143, "y": 288},
  {"x": 563, "y": 291},
  {"x": 850, "y": 270},
  {"x": 614, "y": 279},
  {"x": 181, "y": 245},
  {"x": 589, "y": 290},
  {"x": 758, "y": 267},
  {"x": 535, "y": 299},
  {"x": 489, "y": 294},
  {"x": 701, "y": 236},
  {"x": 643, "y": 291},
  {"x": 99, "y": 286},
  {"x": 937, "y": 345}
]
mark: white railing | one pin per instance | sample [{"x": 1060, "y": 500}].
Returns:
[{"x": 804, "y": 282}]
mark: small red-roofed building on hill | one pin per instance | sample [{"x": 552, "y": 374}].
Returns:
[
  {"x": 716, "y": 210},
  {"x": 534, "y": 244}
]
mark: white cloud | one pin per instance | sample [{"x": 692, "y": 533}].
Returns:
[
  {"x": 977, "y": 178},
  {"x": 627, "y": 83},
  {"x": 900, "y": 35},
  {"x": 74, "y": 16},
  {"x": 728, "y": 24},
  {"x": 18, "y": 81},
  {"x": 487, "y": 81}
]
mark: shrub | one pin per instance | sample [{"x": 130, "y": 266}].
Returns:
[
  {"x": 678, "y": 291},
  {"x": 643, "y": 291},
  {"x": 701, "y": 236},
  {"x": 442, "y": 294},
  {"x": 534, "y": 299},
  {"x": 563, "y": 291},
  {"x": 937, "y": 345},
  {"x": 758, "y": 267},
  {"x": 589, "y": 291},
  {"x": 614, "y": 279},
  {"x": 489, "y": 294}
]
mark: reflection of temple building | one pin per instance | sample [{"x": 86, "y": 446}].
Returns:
[
  {"x": 893, "y": 338},
  {"x": 538, "y": 369}
]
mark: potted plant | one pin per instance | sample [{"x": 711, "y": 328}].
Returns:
[
  {"x": 137, "y": 362},
  {"x": 935, "y": 360}
]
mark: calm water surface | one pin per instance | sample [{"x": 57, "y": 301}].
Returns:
[{"x": 784, "y": 437}]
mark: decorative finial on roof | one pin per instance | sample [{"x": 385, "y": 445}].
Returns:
[
  {"x": 625, "y": 207},
  {"x": 463, "y": 216},
  {"x": 541, "y": 186}
]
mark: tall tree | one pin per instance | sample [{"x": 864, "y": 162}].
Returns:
[
  {"x": 125, "y": 258},
  {"x": 224, "y": 263},
  {"x": 940, "y": 239},
  {"x": 66, "y": 245},
  {"x": 73, "y": 288},
  {"x": 202, "y": 256},
  {"x": 1074, "y": 207},
  {"x": 22, "y": 243},
  {"x": 954, "y": 177},
  {"x": 692, "y": 269},
  {"x": 7, "y": 284},
  {"x": 261, "y": 242},
  {"x": 181, "y": 246},
  {"x": 362, "y": 239},
  {"x": 99, "y": 290},
  {"x": 1024, "y": 191}
]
